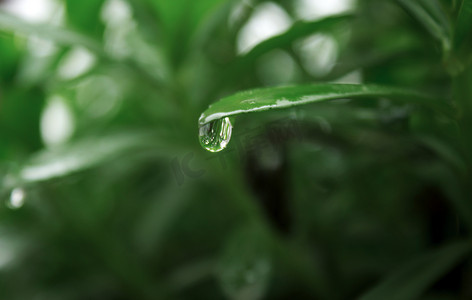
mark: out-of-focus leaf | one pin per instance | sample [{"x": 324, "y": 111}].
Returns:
[
  {"x": 446, "y": 178},
  {"x": 171, "y": 12},
  {"x": 62, "y": 36},
  {"x": 245, "y": 266},
  {"x": 180, "y": 19},
  {"x": 437, "y": 11},
  {"x": 242, "y": 64},
  {"x": 85, "y": 15},
  {"x": 157, "y": 219},
  {"x": 50, "y": 164},
  {"x": 463, "y": 27},
  {"x": 422, "y": 15},
  {"x": 192, "y": 273},
  {"x": 462, "y": 95},
  {"x": 413, "y": 278},
  {"x": 284, "y": 97},
  {"x": 68, "y": 37},
  {"x": 285, "y": 39},
  {"x": 20, "y": 112},
  {"x": 10, "y": 55},
  {"x": 446, "y": 152}
]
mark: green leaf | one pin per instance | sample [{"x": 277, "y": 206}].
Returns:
[
  {"x": 10, "y": 55},
  {"x": 437, "y": 11},
  {"x": 157, "y": 218},
  {"x": 171, "y": 12},
  {"x": 245, "y": 265},
  {"x": 425, "y": 15},
  {"x": 463, "y": 28},
  {"x": 412, "y": 279},
  {"x": 180, "y": 19},
  {"x": 67, "y": 37},
  {"x": 76, "y": 157},
  {"x": 61, "y": 36},
  {"x": 298, "y": 30},
  {"x": 20, "y": 133},
  {"x": 191, "y": 273},
  {"x": 284, "y": 97},
  {"x": 85, "y": 15}
]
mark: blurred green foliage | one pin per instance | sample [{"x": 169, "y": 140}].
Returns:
[{"x": 107, "y": 194}]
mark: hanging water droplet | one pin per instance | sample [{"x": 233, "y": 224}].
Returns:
[
  {"x": 215, "y": 135},
  {"x": 17, "y": 198}
]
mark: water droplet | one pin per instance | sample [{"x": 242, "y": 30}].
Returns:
[
  {"x": 215, "y": 135},
  {"x": 17, "y": 198}
]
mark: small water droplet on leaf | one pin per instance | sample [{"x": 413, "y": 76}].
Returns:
[{"x": 215, "y": 135}]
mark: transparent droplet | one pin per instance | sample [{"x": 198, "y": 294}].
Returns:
[
  {"x": 17, "y": 198},
  {"x": 215, "y": 135}
]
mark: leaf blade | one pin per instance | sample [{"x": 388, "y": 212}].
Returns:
[
  {"x": 298, "y": 30},
  {"x": 76, "y": 157},
  {"x": 62, "y": 36},
  {"x": 463, "y": 28},
  {"x": 412, "y": 279},
  {"x": 435, "y": 28},
  {"x": 289, "y": 96}
]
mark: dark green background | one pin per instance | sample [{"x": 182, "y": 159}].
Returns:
[{"x": 340, "y": 200}]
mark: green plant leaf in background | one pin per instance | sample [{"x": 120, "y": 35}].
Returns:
[
  {"x": 180, "y": 19},
  {"x": 76, "y": 157},
  {"x": 463, "y": 28},
  {"x": 296, "y": 31},
  {"x": 432, "y": 17},
  {"x": 245, "y": 264},
  {"x": 91, "y": 8},
  {"x": 411, "y": 280},
  {"x": 60, "y": 35}
]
